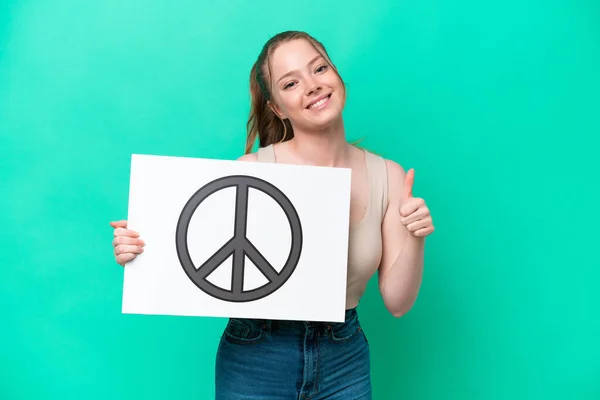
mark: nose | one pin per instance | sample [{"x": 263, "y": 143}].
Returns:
[{"x": 313, "y": 87}]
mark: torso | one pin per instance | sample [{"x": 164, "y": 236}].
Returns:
[{"x": 368, "y": 201}]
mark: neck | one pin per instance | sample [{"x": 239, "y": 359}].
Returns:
[{"x": 327, "y": 147}]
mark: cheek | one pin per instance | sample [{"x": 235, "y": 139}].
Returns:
[
  {"x": 332, "y": 79},
  {"x": 292, "y": 102},
  {"x": 338, "y": 84}
]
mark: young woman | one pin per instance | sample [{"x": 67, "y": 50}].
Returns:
[{"x": 296, "y": 114}]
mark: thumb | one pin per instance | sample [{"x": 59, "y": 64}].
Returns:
[
  {"x": 408, "y": 183},
  {"x": 119, "y": 224}
]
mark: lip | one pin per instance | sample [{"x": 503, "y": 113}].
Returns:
[{"x": 317, "y": 100}]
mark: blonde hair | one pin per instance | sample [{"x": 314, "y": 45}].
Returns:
[{"x": 263, "y": 122}]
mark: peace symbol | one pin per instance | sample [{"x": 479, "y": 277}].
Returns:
[{"x": 239, "y": 245}]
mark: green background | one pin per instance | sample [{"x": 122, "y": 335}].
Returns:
[{"x": 494, "y": 103}]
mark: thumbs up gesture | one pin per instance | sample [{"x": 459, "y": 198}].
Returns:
[{"x": 414, "y": 213}]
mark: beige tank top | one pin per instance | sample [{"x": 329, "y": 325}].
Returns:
[{"x": 364, "y": 242}]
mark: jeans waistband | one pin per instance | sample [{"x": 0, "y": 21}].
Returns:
[{"x": 349, "y": 315}]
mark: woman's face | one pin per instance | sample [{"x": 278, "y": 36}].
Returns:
[{"x": 304, "y": 86}]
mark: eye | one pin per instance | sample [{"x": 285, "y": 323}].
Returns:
[
  {"x": 288, "y": 85},
  {"x": 322, "y": 68}
]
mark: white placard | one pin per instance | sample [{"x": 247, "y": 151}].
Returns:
[{"x": 238, "y": 239}]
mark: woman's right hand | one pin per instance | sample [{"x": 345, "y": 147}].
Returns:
[{"x": 127, "y": 243}]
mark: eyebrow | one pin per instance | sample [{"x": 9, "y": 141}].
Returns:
[{"x": 291, "y": 72}]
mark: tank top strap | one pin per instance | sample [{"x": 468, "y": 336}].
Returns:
[
  {"x": 266, "y": 154},
  {"x": 378, "y": 184}
]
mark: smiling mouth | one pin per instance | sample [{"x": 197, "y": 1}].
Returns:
[{"x": 319, "y": 104}]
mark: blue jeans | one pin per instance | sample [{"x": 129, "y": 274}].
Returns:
[{"x": 286, "y": 360}]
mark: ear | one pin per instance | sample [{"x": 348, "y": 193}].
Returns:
[{"x": 276, "y": 109}]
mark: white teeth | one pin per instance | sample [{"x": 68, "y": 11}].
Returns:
[{"x": 319, "y": 103}]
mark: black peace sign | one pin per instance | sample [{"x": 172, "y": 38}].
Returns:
[{"x": 239, "y": 245}]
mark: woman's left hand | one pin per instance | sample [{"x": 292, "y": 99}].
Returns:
[{"x": 414, "y": 213}]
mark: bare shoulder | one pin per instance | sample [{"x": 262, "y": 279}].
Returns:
[
  {"x": 248, "y": 157},
  {"x": 396, "y": 176},
  {"x": 395, "y": 171}
]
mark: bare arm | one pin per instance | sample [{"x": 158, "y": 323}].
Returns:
[{"x": 406, "y": 223}]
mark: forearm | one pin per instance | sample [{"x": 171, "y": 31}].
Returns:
[{"x": 402, "y": 281}]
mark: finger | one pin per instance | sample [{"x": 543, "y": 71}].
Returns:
[
  {"x": 127, "y": 248},
  {"x": 420, "y": 214},
  {"x": 408, "y": 183},
  {"x": 411, "y": 206},
  {"x": 420, "y": 224},
  {"x": 126, "y": 232},
  {"x": 119, "y": 224},
  {"x": 128, "y": 240},
  {"x": 125, "y": 258},
  {"x": 424, "y": 231}
]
